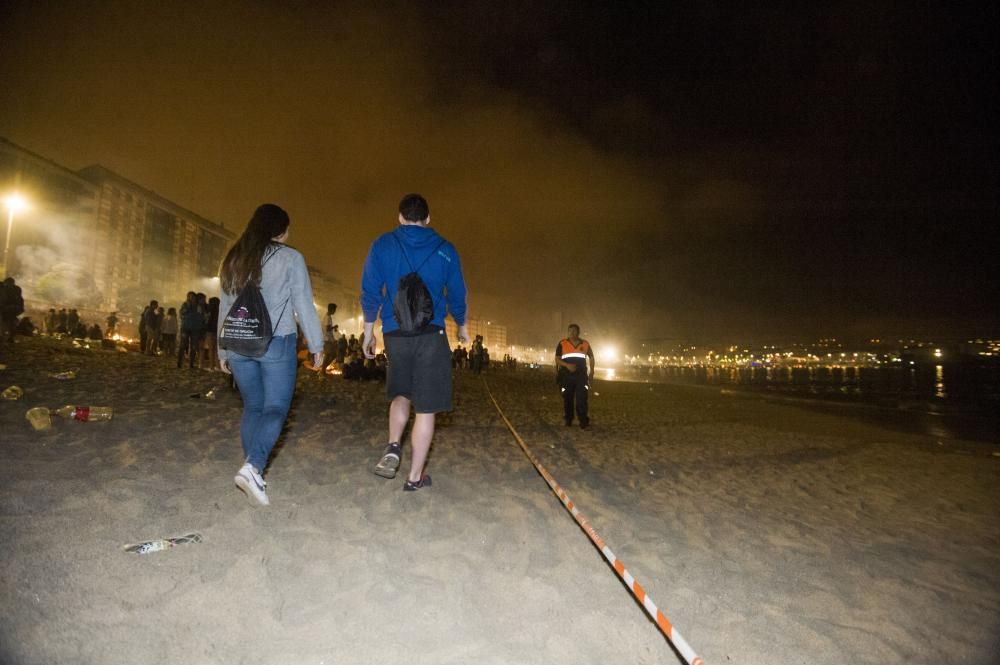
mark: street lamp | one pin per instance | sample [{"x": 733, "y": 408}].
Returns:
[{"x": 15, "y": 203}]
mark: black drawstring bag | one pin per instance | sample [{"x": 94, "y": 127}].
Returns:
[
  {"x": 247, "y": 330},
  {"x": 413, "y": 306}
]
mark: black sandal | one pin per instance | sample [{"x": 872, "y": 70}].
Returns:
[{"x": 410, "y": 486}]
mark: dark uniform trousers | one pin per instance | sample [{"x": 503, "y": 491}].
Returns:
[{"x": 575, "y": 387}]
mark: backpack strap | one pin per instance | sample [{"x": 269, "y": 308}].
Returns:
[
  {"x": 407, "y": 258},
  {"x": 427, "y": 258},
  {"x": 271, "y": 255},
  {"x": 403, "y": 252},
  {"x": 283, "y": 307},
  {"x": 274, "y": 326},
  {"x": 264, "y": 263}
]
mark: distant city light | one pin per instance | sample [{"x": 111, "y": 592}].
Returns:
[{"x": 608, "y": 354}]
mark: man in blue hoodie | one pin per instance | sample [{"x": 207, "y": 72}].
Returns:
[{"x": 419, "y": 372}]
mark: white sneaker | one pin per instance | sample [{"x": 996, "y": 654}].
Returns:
[{"x": 250, "y": 481}]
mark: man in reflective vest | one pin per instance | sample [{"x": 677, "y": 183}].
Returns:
[{"x": 573, "y": 375}]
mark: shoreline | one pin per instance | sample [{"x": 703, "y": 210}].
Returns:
[{"x": 964, "y": 421}]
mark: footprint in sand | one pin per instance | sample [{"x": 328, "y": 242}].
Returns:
[{"x": 127, "y": 456}]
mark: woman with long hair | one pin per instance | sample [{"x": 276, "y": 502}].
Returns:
[{"x": 266, "y": 383}]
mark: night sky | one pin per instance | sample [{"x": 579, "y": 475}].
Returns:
[{"x": 646, "y": 169}]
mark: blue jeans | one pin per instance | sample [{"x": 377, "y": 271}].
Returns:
[
  {"x": 190, "y": 339},
  {"x": 266, "y": 384}
]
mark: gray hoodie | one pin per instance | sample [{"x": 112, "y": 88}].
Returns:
[{"x": 285, "y": 285}]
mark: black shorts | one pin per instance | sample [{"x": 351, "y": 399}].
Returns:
[{"x": 420, "y": 370}]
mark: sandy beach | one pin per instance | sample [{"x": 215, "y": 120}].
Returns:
[{"x": 767, "y": 532}]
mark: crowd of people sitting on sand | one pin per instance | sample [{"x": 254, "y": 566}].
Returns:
[
  {"x": 62, "y": 323},
  {"x": 344, "y": 354},
  {"x": 187, "y": 335}
]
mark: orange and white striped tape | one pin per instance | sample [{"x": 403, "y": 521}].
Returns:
[{"x": 661, "y": 620}]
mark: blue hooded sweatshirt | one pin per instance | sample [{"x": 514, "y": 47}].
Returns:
[{"x": 441, "y": 272}]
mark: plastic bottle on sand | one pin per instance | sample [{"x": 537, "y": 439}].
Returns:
[{"x": 84, "y": 413}]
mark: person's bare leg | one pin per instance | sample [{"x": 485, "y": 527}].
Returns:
[
  {"x": 399, "y": 414},
  {"x": 420, "y": 438}
]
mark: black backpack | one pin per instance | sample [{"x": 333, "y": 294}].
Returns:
[
  {"x": 247, "y": 330},
  {"x": 413, "y": 306}
]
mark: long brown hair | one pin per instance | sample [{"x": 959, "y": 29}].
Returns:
[{"x": 242, "y": 263}]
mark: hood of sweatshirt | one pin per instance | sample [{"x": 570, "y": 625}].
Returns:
[{"x": 418, "y": 237}]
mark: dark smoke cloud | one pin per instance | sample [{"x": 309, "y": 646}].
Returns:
[{"x": 666, "y": 172}]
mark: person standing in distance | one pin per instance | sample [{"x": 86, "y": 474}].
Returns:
[
  {"x": 419, "y": 372},
  {"x": 329, "y": 336},
  {"x": 267, "y": 383},
  {"x": 192, "y": 322},
  {"x": 11, "y": 307},
  {"x": 573, "y": 376}
]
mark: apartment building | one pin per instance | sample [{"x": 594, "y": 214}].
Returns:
[
  {"x": 148, "y": 246},
  {"x": 93, "y": 238}
]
